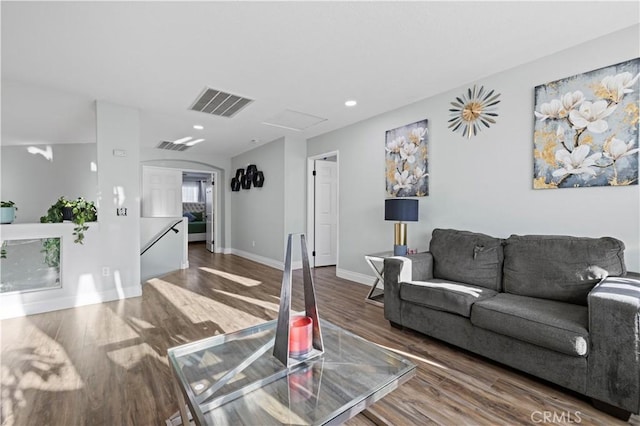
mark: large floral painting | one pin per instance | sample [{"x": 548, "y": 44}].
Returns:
[
  {"x": 406, "y": 159},
  {"x": 586, "y": 129}
]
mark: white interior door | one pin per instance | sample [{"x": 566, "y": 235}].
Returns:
[
  {"x": 326, "y": 213},
  {"x": 161, "y": 192},
  {"x": 209, "y": 216}
]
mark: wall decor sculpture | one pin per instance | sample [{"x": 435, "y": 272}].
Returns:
[
  {"x": 406, "y": 160},
  {"x": 472, "y": 110},
  {"x": 244, "y": 179},
  {"x": 586, "y": 129}
]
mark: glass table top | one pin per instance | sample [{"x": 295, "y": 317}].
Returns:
[{"x": 234, "y": 378}]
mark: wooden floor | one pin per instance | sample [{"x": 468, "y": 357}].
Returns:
[{"x": 106, "y": 364}]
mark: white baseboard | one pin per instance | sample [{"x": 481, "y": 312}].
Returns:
[
  {"x": 265, "y": 260},
  {"x": 197, "y": 237},
  {"x": 13, "y": 310},
  {"x": 356, "y": 277}
]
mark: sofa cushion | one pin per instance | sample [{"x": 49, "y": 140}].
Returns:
[
  {"x": 560, "y": 267},
  {"x": 443, "y": 295},
  {"x": 467, "y": 257},
  {"x": 558, "y": 326}
]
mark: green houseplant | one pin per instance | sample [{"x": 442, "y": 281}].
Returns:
[
  {"x": 7, "y": 211},
  {"x": 79, "y": 211},
  {"x": 82, "y": 211}
]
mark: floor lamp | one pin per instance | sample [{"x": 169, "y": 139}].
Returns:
[{"x": 401, "y": 210}]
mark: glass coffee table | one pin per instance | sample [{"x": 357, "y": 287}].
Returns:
[{"x": 234, "y": 379}]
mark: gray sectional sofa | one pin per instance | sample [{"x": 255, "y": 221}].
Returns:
[{"x": 556, "y": 307}]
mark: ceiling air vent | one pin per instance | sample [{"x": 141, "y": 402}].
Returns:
[
  {"x": 219, "y": 103},
  {"x": 172, "y": 146}
]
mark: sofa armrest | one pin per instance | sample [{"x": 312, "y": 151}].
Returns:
[
  {"x": 614, "y": 332},
  {"x": 415, "y": 267}
]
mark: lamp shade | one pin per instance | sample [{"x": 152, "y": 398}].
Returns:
[{"x": 402, "y": 209}]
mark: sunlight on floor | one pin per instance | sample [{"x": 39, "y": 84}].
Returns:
[
  {"x": 248, "y": 282},
  {"x": 44, "y": 366},
  {"x": 414, "y": 357},
  {"x": 197, "y": 308},
  {"x": 105, "y": 327},
  {"x": 129, "y": 356},
  {"x": 267, "y": 305}
]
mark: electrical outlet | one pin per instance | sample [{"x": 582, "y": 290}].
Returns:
[
  {"x": 105, "y": 271},
  {"x": 121, "y": 211},
  {"x": 253, "y": 243}
]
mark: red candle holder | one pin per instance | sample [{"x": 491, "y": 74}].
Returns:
[{"x": 300, "y": 336}]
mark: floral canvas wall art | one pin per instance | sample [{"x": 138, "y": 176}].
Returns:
[
  {"x": 586, "y": 129},
  {"x": 406, "y": 160}
]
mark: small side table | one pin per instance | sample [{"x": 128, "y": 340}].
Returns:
[{"x": 376, "y": 263}]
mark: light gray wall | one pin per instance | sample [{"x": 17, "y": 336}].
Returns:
[
  {"x": 269, "y": 214},
  {"x": 483, "y": 184},
  {"x": 118, "y": 128},
  {"x": 257, "y": 214},
  {"x": 295, "y": 210},
  {"x": 34, "y": 183}
]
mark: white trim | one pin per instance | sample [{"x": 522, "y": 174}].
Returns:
[
  {"x": 276, "y": 264},
  {"x": 197, "y": 237},
  {"x": 311, "y": 208},
  {"x": 13, "y": 310},
  {"x": 356, "y": 277}
]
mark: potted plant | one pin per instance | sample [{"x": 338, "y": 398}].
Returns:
[
  {"x": 82, "y": 211},
  {"x": 7, "y": 211}
]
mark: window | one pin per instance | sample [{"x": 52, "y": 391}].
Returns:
[{"x": 193, "y": 192}]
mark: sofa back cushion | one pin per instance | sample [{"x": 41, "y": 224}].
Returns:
[
  {"x": 467, "y": 257},
  {"x": 560, "y": 267}
]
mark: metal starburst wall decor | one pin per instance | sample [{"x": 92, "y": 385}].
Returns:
[{"x": 473, "y": 109}]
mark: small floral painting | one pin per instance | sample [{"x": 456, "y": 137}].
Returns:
[
  {"x": 586, "y": 129},
  {"x": 406, "y": 159}
]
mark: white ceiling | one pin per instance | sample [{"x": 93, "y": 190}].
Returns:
[{"x": 308, "y": 57}]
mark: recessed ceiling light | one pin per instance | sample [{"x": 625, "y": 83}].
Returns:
[
  {"x": 183, "y": 140},
  {"x": 198, "y": 127},
  {"x": 192, "y": 143},
  {"x": 351, "y": 103}
]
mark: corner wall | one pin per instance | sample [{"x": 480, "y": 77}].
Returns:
[
  {"x": 483, "y": 184},
  {"x": 107, "y": 266},
  {"x": 262, "y": 218},
  {"x": 257, "y": 214}
]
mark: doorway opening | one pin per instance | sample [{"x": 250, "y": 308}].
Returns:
[
  {"x": 199, "y": 207},
  {"x": 170, "y": 193},
  {"x": 323, "y": 208}
]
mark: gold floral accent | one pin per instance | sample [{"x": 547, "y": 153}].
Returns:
[
  {"x": 587, "y": 139},
  {"x": 539, "y": 183},
  {"x": 633, "y": 114},
  {"x": 548, "y": 152},
  {"x": 391, "y": 170},
  {"x": 601, "y": 92}
]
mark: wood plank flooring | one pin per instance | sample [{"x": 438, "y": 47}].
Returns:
[{"x": 106, "y": 364}]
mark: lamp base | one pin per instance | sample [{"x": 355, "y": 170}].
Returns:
[{"x": 399, "y": 250}]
